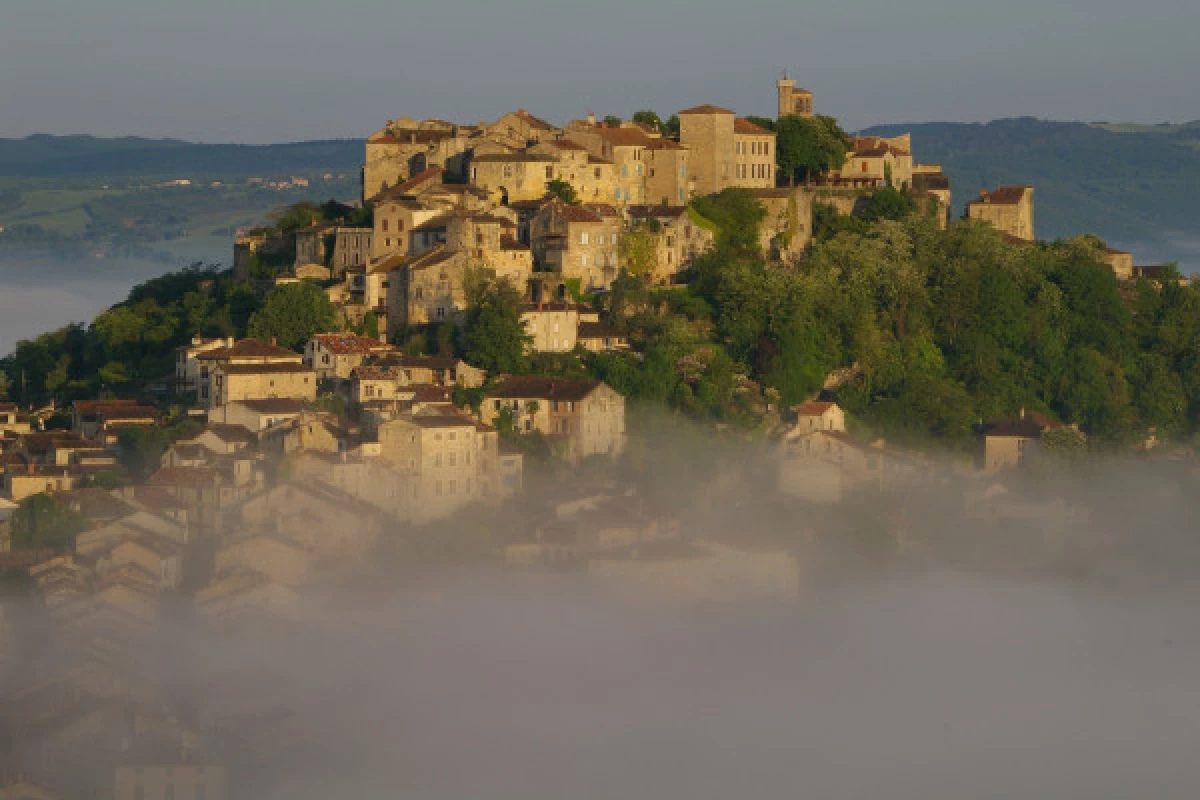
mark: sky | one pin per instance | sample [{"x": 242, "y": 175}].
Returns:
[{"x": 285, "y": 70}]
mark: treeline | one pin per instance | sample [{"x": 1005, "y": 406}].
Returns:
[
  {"x": 937, "y": 330},
  {"x": 132, "y": 344}
]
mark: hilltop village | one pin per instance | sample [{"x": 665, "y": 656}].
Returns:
[{"x": 257, "y": 473}]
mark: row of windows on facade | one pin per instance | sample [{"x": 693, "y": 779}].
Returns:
[
  {"x": 555, "y": 405},
  {"x": 755, "y": 149},
  {"x": 754, "y": 170}
]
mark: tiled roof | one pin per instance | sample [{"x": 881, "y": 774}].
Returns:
[
  {"x": 575, "y": 213},
  {"x": 272, "y": 405},
  {"x": 640, "y": 212},
  {"x": 1005, "y": 195},
  {"x": 598, "y": 330},
  {"x": 247, "y": 348},
  {"x": 623, "y": 137},
  {"x": 183, "y": 476},
  {"x": 567, "y": 144},
  {"x": 230, "y": 433},
  {"x": 349, "y": 343},
  {"x": 92, "y": 406},
  {"x": 814, "y": 409},
  {"x": 503, "y": 158},
  {"x": 602, "y": 209},
  {"x": 705, "y": 109},
  {"x": 741, "y": 125},
  {"x": 664, "y": 144},
  {"x": 528, "y": 386}
]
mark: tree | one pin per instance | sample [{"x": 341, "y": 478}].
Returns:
[
  {"x": 807, "y": 148},
  {"x": 292, "y": 313},
  {"x": 671, "y": 126},
  {"x": 371, "y": 325},
  {"x": 613, "y": 121},
  {"x": 41, "y": 521},
  {"x": 142, "y": 449},
  {"x": 493, "y": 337},
  {"x": 562, "y": 190},
  {"x": 648, "y": 118},
  {"x": 639, "y": 250}
]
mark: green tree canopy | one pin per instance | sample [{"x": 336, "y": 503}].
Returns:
[
  {"x": 493, "y": 336},
  {"x": 563, "y": 190},
  {"x": 292, "y": 313},
  {"x": 807, "y": 148},
  {"x": 648, "y": 118},
  {"x": 42, "y": 521}
]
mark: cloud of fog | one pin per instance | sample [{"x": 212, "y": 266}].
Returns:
[{"x": 1038, "y": 643}]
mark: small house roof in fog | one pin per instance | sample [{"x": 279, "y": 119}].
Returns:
[
  {"x": 1029, "y": 425},
  {"x": 529, "y": 386}
]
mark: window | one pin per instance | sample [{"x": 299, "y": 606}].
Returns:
[
  {"x": 583, "y": 259},
  {"x": 453, "y": 462},
  {"x": 583, "y": 237},
  {"x": 639, "y": 170},
  {"x": 549, "y": 173},
  {"x": 385, "y": 226},
  {"x": 441, "y": 312},
  {"x": 624, "y": 170},
  {"x": 453, "y": 486},
  {"x": 597, "y": 173}
]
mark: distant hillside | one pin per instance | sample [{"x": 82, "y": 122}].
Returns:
[
  {"x": 44, "y": 156},
  {"x": 1126, "y": 183}
]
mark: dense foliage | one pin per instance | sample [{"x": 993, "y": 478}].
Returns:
[
  {"x": 132, "y": 344},
  {"x": 291, "y": 313}
]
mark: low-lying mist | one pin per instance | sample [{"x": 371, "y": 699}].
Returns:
[{"x": 967, "y": 637}]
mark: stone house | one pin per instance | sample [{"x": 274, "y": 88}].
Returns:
[
  {"x": 155, "y": 555},
  {"x": 352, "y": 247},
  {"x": 449, "y": 461},
  {"x": 668, "y": 178},
  {"x": 1009, "y": 209},
  {"x": 518, "y": 129},
  {"x": 588, "y": 416},
  {"x": 726, "y": 151},
  {"x": 625, "y": 149},
  {"x": 1010, "y": 442},
  {"x": 245, "y": 593},
  {"x": 551, "y": 327},
  {"x": 258, "y": 415},
  {"x": 793, "y": 99},
  {"x": 103, "y": 420},
  {"x": 404, "y": 148},
  {"x": 311, "y": 431},
  {"x": 264, "y": 551},
  {"x": 254, "y": 370},
  {"x": 580, "y": 242},
  {"x": 513, "y": 176},
  {"x": 187, "y": 362},
  {"x": 679, "y": 239},
  {"x": 876, "y": 159},
  {"x": 335, "y": 355},
  {"x": 314, "y": 244},
  {"x": 816, "y": 416},
  {"x": 11, "y": 420},
  {"x": 18, "y": 483},
  {"x": 597, "y": 337},
  {"x": 1121, "y": 263},
  {"x": 824, "y": 465}
]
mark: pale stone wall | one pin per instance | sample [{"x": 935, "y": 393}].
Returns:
[
  {"x": 1013, "y": 218},
  {"x": 552, "y": 330},
  {"x": 150, "y": 781},
  {"x": 592, "y": 426},
  {"x": 754, "y": 161},
  {"x": 667, "y": 178},
  {"x": 512, "y": 178},
  {"x": 786, "y": 232},
  {"x": 710, "y": 139},
  {"x": 298, "y": 385},
  {"x": 352, "y": 248}
]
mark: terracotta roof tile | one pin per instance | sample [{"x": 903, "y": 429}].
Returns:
[
  {"x": 705, "y": 109},
  {"x": 745, "y": 126}
]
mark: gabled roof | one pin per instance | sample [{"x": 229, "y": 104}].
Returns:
[
  {"x": 623, "y": 137},
  {"x": 1004, "y": 196},
  {"x": 598, "y": 330},
  {"x": 742, "y": 125},
  {"x": 664, "y": 144},
  {"x": 814, "y": 409},
  {"x": 230, "y": 433},
  {"x": 528, "y": 386},
  {"x": 705, "y": 109},
  {"x": 272, "y": 405},
  {"x": 247, "y": 348},
  {"x": 349, "y": 343}
]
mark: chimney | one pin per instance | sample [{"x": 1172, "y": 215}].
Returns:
[
  {"x": 1022, "y": 412},
  {"x": 984, "y": 197},
  {"x": 591, "y": 118},
  {"x": 274, "y": 341}
]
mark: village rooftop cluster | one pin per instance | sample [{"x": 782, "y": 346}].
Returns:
[{"x": 275, "y": 493}]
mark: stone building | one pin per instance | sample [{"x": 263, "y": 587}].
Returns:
[
  {"x": 726, "y": 151},
  {"x": 551, "y": 327},
  {"x": 187, "y": 362},
  {"x": 792, "y": 99},
  {"x": 254, "y": 370},
  {"x": 335, "y": 355},
  {"x": 579, "y": 242},
  {"x": 404, "y": 148},
  {"x": 668, "y": 176},
  {"x": 1121, "y": 263},
  {"x": 1009, "y": 209},
  {"x": 878, "y": 160},
  {"x": 1010, "y": 442},
  {"x": 679, "y": 239},
  {"x": 587, "y": 416},
  {"x": 449, "y": 461}
]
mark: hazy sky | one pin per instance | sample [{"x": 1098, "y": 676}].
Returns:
[{"x": 273, "y": 70}]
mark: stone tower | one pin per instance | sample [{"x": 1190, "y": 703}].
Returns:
[{"x": 793, "y": 100}]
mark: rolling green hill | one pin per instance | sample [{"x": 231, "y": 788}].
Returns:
[{"x": 1129, "y": 184}]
